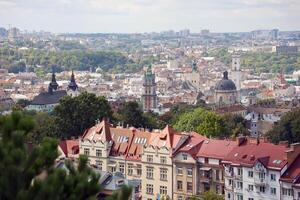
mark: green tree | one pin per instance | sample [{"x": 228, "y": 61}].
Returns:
[
  {"x": 74, "y": 115},
  {"x": 211, "y": 195},
  {"x": 287, "y": 129},
  {"x": 132, "y": 115},
  {"x": 30, "y": 173},
  {"x": 235, "y": 124},
  {"x": 202, "y": 121},
  {"x": 123, "y": 194}
]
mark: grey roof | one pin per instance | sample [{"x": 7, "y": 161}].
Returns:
[
  {"x": 110, "y": 181},
  {"x": 225, "y": 83},
  {"x": 45, "y": 98}
]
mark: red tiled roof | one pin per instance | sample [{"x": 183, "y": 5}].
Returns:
[
  {"x": 100, "y": 131},
  {"x": 69, "y": 147},
  {"x": 193, "y": 144},
  {"x": 213, "y": 148},
  {"x": 247, "y": 154},
  {"x": 292, "y": 174}
]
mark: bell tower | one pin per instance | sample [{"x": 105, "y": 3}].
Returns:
[{"x": 149, "y": 97}]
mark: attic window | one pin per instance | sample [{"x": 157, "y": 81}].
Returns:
[
  {"x": 122, "y": 139},
  {"x": 244, "y": 156},
  {"x": 235, "y": 155},
  {"x": 252, "y": 157},
  {"x": 277, "y": 162}
]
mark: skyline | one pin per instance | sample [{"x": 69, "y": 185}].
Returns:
[{"x": 132, "y": 16}]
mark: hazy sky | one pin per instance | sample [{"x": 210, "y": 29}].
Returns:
[{"x": 150, "y": 15}]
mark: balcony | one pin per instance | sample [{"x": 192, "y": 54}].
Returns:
[
  {"x": 260, "y": 181},
  {"x": 205, "y": 179},
  {"x": 228, "y": 173}
]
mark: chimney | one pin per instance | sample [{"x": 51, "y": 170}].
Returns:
[
  {"x": 292, "y": 153},
  {"x": 240, "y": 140},
  {"x": 254, "y": 140}
]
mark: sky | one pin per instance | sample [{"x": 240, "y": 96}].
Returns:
[{"x": 132, "y": 16}]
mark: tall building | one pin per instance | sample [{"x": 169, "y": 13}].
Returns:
[
  {"x": 149, "y": 96},
  {"x": 236, "y": 70}
]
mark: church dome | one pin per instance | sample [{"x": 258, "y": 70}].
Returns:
[{"x": 225, "y": 84}]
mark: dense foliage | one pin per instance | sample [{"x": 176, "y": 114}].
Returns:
[
  {"x": 132, "y": 115},
  {"x": 261, "y": 61},
  {"x": 30, "y": 173},
  {"x": 211, "y": 124},
  {"x": 209, "y": 195},
  {"x": 78, "y": 59},
  {"x": 74, "y": 115},
  {"x": 287, "y": 129}
]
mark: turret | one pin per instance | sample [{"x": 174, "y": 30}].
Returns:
[
  {"x": 53, "y": 84},
  {"x": 72, "y": 85}
]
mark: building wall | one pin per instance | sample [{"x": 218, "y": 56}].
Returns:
[{"x": 157, "y": 166}]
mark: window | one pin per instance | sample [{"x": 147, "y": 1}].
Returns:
[
  {"x": 179, "y": 171},
  {"x": 217, "y": 174},
  {"x": 273, "y": 177},
  {"x": 240, "y": 171},
  {"x": 190, "y": 171},
  {"x": 262, "y": 189},
  {"x": 149, "y": 172},
  {"x": 98, "y": 152},
  {"x": 239, "y": 185},
  {"x": 149, "y": 158},
  {"x": 228, "y": 196},
  {"x": 163, "y": 190},
  {"x": 250, "y": 174},
  {"x": 189, "y": 186},
  {"x": 130, "y": 169},
  {"x": 163, "y": 174},
  {"x": 99, "y": 164},
  {"x": 184, "y": 156},
  {"x": 250, "y": 187},
  {"x": 273, "y": 191},
  {"x": 112, "y": 169},
  {"x": 122, "y": 168},
  {"x": 180, "y": 197},
  {"x": 179, "y": 185},
  {"x": 239, "y": 197},
  {"x": 250, "y": 198},
  {"x": 287, "y": 192},
  {"x": 149, "y": 189},
  {"x": 163, "y": 159},
  {"x": 139, "y": 170},
  {"x": 230, "y": 182},
  {"x": 86, "y": 151}
]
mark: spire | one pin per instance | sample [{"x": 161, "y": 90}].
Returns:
[
  {"x": 72, "y": 85},
  {"x": 225, "y": 75},
  {"x": 53, "y": 84}
]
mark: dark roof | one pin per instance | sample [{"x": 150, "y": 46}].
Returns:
[
  {"x": 225, "y": 83},
  {"x": 48, "y": 98},
  {"x": 72, "y": 85}
]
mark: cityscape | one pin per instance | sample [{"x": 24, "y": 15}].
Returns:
[{"x": 148, "y": 109}]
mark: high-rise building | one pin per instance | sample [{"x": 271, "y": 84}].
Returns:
[{"x": 149, "y": 96}]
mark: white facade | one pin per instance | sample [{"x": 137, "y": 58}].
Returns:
[{"x": 251, "y": 183}]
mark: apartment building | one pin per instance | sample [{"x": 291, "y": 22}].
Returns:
[
  {"x": 180, "y": 165},
  {"x": 253, "y": 170},
  {"x": 211, "y": 170},
  {"x": 185, "y": 166}
]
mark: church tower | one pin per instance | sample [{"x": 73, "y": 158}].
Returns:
[
  {"x": 72, "y": 87},
  {"x": 149, "y": 97},
  {"x": 236, "y": 73}
]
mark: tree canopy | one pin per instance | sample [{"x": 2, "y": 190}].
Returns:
[
  {"x": 29, "y": 173},
  {"x": 202, "y": 121},
  {"x": 287, "y": 129},
  {"x": 74, "y": 115}
]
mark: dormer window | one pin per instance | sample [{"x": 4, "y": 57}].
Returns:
[{"x": 184, "y": 156}]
